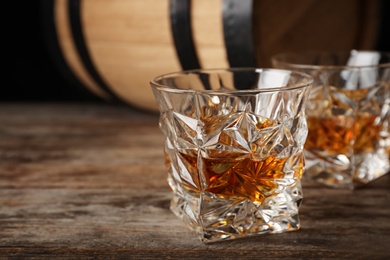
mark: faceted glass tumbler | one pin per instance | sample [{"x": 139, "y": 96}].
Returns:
[
  {"x": 234, "y": 148},
  {"x": 348, "y": 114}
]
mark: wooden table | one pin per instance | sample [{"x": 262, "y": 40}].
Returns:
[{"x": 87, "y": 181}]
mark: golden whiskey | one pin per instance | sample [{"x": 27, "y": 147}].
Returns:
[{"x": 231, "y": 171}]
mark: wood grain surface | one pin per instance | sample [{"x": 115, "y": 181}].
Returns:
[{"x": 87, "y": 181}]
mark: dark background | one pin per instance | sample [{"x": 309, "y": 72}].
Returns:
[{"x": 30, "y": 74}]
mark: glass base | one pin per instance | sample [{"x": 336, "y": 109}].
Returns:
[
  {"x": 343, "y": 172},
  {"x": 217, "y": 219}
]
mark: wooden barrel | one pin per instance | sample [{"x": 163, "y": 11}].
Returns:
[{"x": 114, "y": 48}]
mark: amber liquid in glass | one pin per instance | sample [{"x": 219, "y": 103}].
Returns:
[
  {"x": 342, "y": 133},
  {"x": 235, "y": 175}
]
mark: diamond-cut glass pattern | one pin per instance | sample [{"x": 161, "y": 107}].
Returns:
[
  {"x": 353, "y": 125},
  {"x": 348, "y": 115},
  {"x": 235, "y": 160}
]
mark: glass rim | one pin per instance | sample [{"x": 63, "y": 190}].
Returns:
[
  {"x": 277, "y": 57},
  {"x": 308, "y": 80}
]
